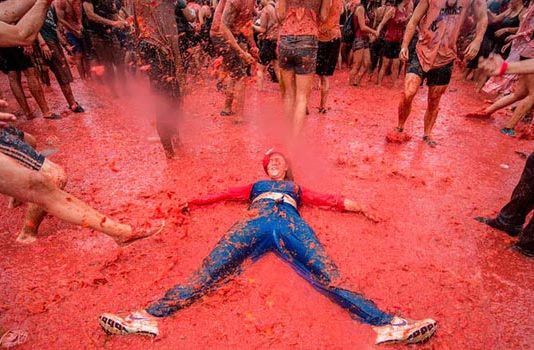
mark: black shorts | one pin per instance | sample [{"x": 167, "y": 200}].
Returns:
[
  {"x": 13, "y": 59},
  {"x": 267, "y": 51},
  {"x": 232, "y": 63},
  {"x": 12, "y": 145},
  {"x": 162, "y": 73},
  {"x": 327, "y": 55},
  {"x": 58, "y": 64},
  {"x": 298, "y": 53},
  {"x": 391, "y": 50},
  {"x": 435, "y": 77}
]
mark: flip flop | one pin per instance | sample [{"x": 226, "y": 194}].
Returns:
[
  {"x": 226, "y": 114},
  {"x": 12, "y": 338},
  {"x": 478, "y": 115},
  {"x": 77, "y": 109}
]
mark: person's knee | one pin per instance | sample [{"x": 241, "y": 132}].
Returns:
[{"x": 40, "y": 188}]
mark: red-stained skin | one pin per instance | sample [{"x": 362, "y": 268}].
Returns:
[{"x": 426, "y": 258}]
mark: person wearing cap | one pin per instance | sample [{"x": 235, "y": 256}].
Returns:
[{"x": 274, "y": 225}]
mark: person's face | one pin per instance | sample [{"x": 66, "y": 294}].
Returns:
[{"x": 277, "y": 167}]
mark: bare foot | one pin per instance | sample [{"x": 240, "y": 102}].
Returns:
[
  {"x": 26, "y": 237},
  {"x": 135, "y": 236}
]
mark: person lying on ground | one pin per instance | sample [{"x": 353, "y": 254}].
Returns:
[{"x": 273, "y": 224}]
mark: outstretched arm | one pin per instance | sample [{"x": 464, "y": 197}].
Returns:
[
  {"x": 25, "y": 31},
  {"x": 240, "y": 193},
  {"x": 338, "y": 203}
]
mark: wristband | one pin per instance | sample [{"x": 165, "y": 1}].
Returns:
[{"x": 503, "y": 69}]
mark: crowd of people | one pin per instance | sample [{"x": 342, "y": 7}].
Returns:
[{"x": 288, "y": 42}]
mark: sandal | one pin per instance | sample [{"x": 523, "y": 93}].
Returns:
[
  {"x": 77, "y": 108},
  {"x": 226, "y": 114},
  {"x": 429, "y": 141},
  {"x": 13, "y": 338}
]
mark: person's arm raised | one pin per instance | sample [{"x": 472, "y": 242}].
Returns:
[{"x": 25, "y": 31}]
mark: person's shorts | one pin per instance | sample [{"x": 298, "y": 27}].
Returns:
[
  {"x": 435, "y": 77},
  {"x": 76, "y": 43},
  {"x": 327, "y": 55},
  {"x": 12, "y": 145},
  {"x": 267, "y": 51},
  {"x": 232, "y": 63},
  {"x": 58, "y": 64},
  {"x": 298, "y": 53},
  {"x": 162, "y": 73},
  {"x": 391, "y": 50},
  {"x": 360, "y": 43},
  {"x": 13, "y": 59},
  {"x": 108, "y": 49}
]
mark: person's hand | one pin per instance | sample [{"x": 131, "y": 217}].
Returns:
[
  {"x": 28, "y": 50},
  {"x": 472, "y": 50},
  {"x": 121, "y": 24},
  {"x": 404, "y": 54},
  {"x": 491, "y": 65},
  {"x": 46, "y": 51},
  {"x": 255, "y": 52},
  {"x": 247, "y": 58},
  {"x": 512, "y": 37},
  {"x": 505, "y": 47},
  {"x": 5, "y": 118},
  {"x": 501, "y": 32}
]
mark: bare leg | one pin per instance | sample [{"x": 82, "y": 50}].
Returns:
[
  {"x": 395, "y": 70},
  {"x": 385, "y": 64},
  {"x": 366, "y": 63},
  {"x": 303, "y": 89},
  {"x": 16, "y": 87},
  {"x": 434, "y": 96},
  {"x": 357, "y": 61},
  {"x": 239, "y": 94},
  {"x": 36, "y": 90},
  {"x": 229, "y": 94},
  {"x": 289, "y": 82},
  {"x": 67, "y": 92},
  {"x": 520, "y": 93},
  {"x": 35, "y": 214},
  {"x": 526, "y": 105},
  {"x": 31, "y": 186},
  {"x": 260, "y": 76},
  {"x": 411, "y": 86},
  {"x": 325, "y": 89}
]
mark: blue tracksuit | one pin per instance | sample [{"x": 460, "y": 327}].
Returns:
[{"x": 279, "y": 228}]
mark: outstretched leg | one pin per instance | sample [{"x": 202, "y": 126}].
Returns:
[
  {"x": 303, "y": 250},
  {"x": 244, "y": 240}
]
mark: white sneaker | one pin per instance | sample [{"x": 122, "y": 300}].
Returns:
[
  {"x": 134, "y": 323},
  {"x": 404, "y": 331}
]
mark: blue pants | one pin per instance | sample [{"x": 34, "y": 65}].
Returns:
[{"x": 286, "y": 234}]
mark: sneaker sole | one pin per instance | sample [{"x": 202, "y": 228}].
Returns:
[
  {"x": 422, "y": 334},
  {"x": 417, "y": 336},
  {"x": 114, "y": 327}
]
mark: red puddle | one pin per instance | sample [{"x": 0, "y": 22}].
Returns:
[{"x": 426, "y": 257}]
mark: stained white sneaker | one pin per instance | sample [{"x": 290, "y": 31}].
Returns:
[
  {"x": 405, "y": 331},
  {"x": 135, "y": 323}
]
